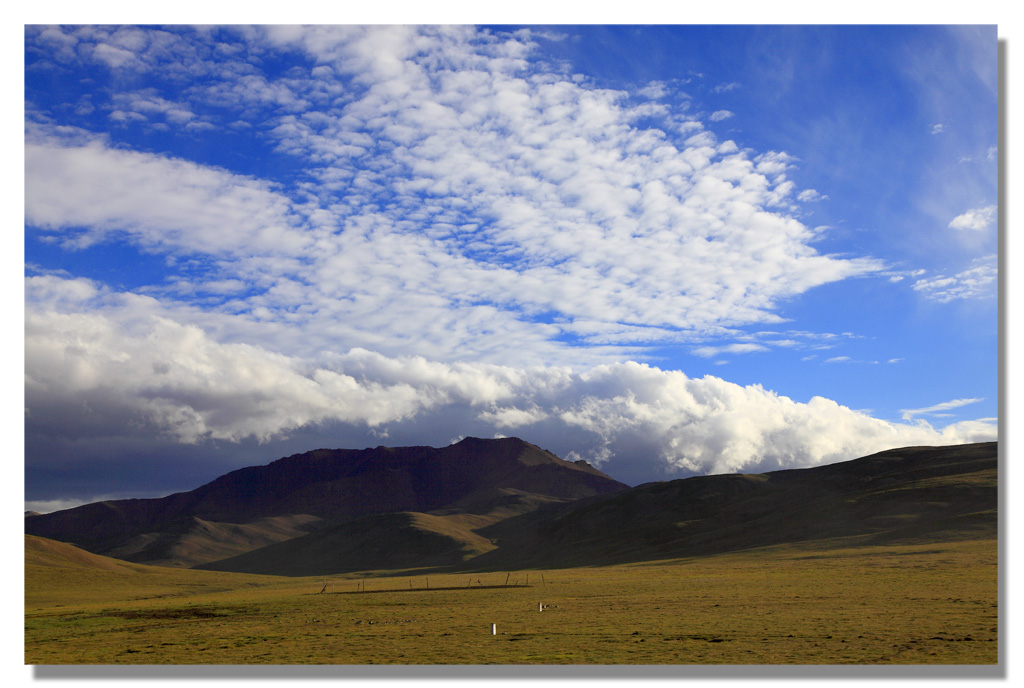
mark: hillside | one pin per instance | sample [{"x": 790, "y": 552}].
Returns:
[
  {"x": 257, "y": 506},
  {"x": 385, "y": 541},
  {"x": 50, "y": 553},
  {"x": 910, "y": 495},
  {"x": 192, "y": 540}
]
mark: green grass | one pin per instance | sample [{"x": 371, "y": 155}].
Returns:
[{"x": 933, "y": 603}]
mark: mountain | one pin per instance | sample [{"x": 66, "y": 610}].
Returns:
[
  {"x": 506, "y": 504},
  {"x": 911, "y": 494},
  {"x": 915, "y": 494},
  {"x": 262, "y": 505}
]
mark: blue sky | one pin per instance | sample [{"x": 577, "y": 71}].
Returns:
[{"x": 667, "y": 250}]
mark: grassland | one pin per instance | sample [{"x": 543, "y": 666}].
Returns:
[{"x": 818, "y": 603}]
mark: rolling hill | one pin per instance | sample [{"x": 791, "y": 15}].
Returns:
[
  {"x": 52, "y": 554},
  {"x": 916, "y": 494}
]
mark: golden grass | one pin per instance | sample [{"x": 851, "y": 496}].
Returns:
[{"x": 902, "y": 604}]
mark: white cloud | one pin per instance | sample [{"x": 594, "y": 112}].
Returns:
[
  {"x": 655, "y": 89},
  {"x": 938, "y": 128},
  {"x": 150, "y": 105},
  {"x": 461, "y": 194},
  {"x": 77, "y": 191},
  {"x": 737, "y": 348},
  {"x": 976, "y": 219},
  {"x": 719, "y": 115},
  {"x": 937, "y": 409},
  {"x": 810, "y": 196},
  {"x": 46, "y": 506},
  {"x": 978, "y": 281},
  {"x": 125, "y": 372},
  {"x": 766, "y": 340}
]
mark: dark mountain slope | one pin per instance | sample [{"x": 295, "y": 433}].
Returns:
[
  {"x": 192, "y": 540},
  {"x": 330, "y": 485},
  {"x": 443, "y": 538},
  {"x": 401, "y": 540},
  {"x": 912, "y": 494}
]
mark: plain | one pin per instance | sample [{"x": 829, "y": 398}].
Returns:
[{"x": 815, "y": 603}]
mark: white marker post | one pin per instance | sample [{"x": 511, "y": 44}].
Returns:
[{"x": 494, "y": 629}]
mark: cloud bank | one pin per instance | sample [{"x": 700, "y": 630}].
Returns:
[{"x": 126, "y": 369}]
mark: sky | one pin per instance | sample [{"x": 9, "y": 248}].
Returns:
[{"x": 668, "y": 250}]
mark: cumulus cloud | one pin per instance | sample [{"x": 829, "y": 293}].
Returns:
[
  {"x": 124, "y": 372},
  {"x": 976, "y": 219},
  {"x": 719, "y": 115}
]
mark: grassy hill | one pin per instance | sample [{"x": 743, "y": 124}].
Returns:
[
  {"x": 59, "y": 574},
  {"x": 916, "y": 494}
]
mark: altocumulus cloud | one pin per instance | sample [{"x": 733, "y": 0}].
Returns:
[
  {"x": 978, "y": 281},
  {"x": 494, "y": 197}
]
